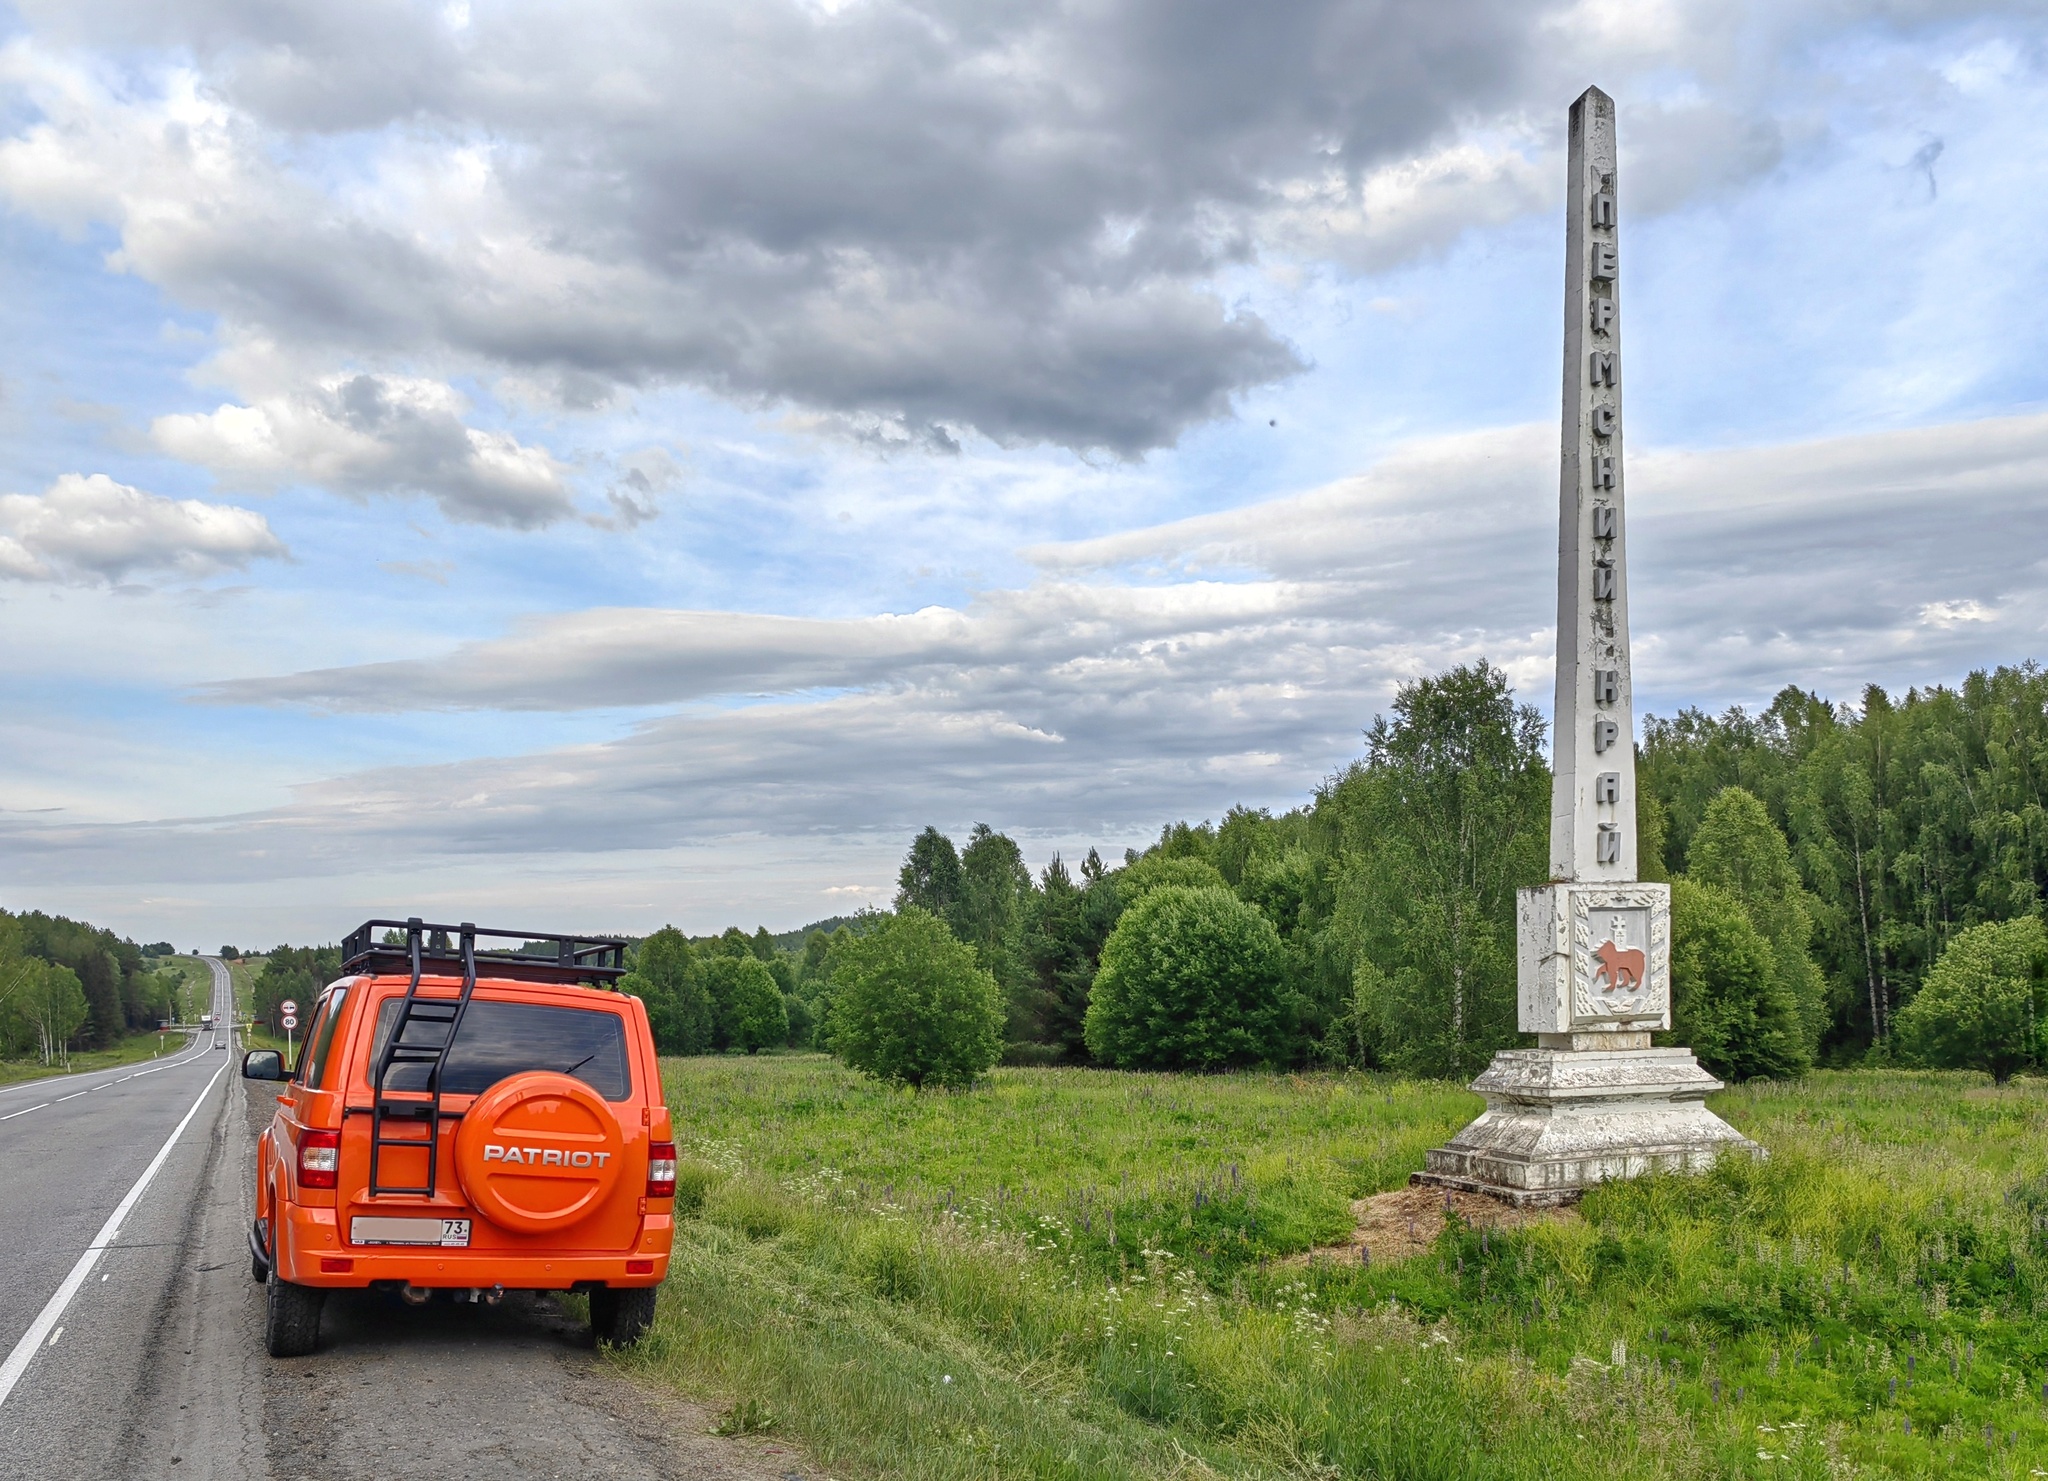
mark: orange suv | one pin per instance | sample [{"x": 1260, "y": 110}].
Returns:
[{"x": 469, "y": 1122}]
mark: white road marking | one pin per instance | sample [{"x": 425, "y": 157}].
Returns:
[
  {"x": 55, "y": 1335},
  {"x": 32, "y": 1340},
  {"x": 12, "y": 1114},
  {"x": 181, "y": 1057},
  {"x": 62, "y": 1098}
]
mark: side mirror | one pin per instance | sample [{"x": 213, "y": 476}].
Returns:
[{"x": 263, "y": 1064}]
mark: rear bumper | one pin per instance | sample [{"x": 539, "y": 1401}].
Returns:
[{"x": 311, "y": 1253}]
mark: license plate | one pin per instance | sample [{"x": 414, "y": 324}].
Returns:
[{"x": 442, "y": 1233}]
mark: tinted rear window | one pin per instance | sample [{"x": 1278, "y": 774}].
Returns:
[{"x": 500, "y": 1039}]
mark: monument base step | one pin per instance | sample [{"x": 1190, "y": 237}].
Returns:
[{"x": 1559, "y": 1121}]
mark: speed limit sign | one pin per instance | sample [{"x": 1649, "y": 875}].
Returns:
[
  {"x": 288, "y": 1006},
  {"x": 288, "y": 1020}
]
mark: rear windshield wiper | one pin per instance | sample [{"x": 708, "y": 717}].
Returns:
[{"x": 579, "y": 1064}]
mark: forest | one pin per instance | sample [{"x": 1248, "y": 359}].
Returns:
[
  {"x": 1823, "y": 855},
  {"x": 67, "y": 986}
]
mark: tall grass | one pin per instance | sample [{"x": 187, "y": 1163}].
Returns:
[{"x": 1072, "y": 1273}]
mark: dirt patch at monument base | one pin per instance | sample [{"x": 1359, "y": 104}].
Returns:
[{"x": 1404, "y": 1222}]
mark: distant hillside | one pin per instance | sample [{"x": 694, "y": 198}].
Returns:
[{"x": 794, "y": 940}]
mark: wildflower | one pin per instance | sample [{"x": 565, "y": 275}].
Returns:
[{"x": 947, "y": 1379}]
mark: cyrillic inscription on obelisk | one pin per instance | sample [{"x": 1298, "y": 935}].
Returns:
[{"x": 1593, "y": 791}]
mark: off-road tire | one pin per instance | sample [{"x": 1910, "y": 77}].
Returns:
[
  {"x": 291, "y": 1321},
  {"x": 621, "y": 1317}
]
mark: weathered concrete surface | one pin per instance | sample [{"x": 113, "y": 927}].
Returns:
[
  {"x": 1593, "y": 959},
  {"x": 1593, "y": 770},
  {"x": 1558, "y": 1121}
]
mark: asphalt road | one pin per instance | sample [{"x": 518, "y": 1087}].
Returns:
[{"x": 131, "y": 1332}]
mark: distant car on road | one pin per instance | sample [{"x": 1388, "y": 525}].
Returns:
[{"x": 466, "y": 1122}]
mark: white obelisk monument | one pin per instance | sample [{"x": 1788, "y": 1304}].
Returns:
[{"x": 1594, "y": 1100}]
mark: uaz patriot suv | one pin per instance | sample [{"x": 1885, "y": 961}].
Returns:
[{"x": 469, "y": 1122}]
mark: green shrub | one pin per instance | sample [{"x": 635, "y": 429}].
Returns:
[
  {"x": 911, "y": 1005},
  {"x": 801, "y": 1020},
  {"x": 1190, "y": 979},
  {"x": 1739, "y": 850},
  {"x": 1140, "y": 878},
  {"x": 746, "y": 1003},
  {"x": 888, "y": 1258},
  {"x": 747, "y": 1208},
  {"x": 666, "y": 979},
  {"x": 756, "y": 1013},
  {"x": 694, "y": 1179},
  {"x": 1730, "y": 1004},
  {"x": 1279, "y": 884},
  {"x": 1982, "y": 1006}
]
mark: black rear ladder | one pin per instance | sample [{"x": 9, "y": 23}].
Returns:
[{"x": 435, "y": 1021}]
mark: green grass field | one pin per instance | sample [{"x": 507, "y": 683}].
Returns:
[
  {"x": 1079, "y": 1274},
  {"x": 134, "y": 1049}
]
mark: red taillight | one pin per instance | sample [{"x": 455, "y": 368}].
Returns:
[
  {"x": 661, "y": 1170},
  {"x": 330, "y": 1265},
  {"x": 639, "y": 1267},
  {"x": 320, "y": 1158}
]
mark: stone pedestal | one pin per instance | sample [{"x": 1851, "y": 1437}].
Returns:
[{"x": 1559, "y": 1120}]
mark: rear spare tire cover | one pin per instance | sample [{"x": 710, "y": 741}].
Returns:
[{"x": 538, "y": 1152}]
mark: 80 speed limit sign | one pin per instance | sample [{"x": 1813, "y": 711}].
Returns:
[{"x": 288, "y": 1020}]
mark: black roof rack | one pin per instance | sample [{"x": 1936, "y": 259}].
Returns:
[{"x": 599, "y": 961}]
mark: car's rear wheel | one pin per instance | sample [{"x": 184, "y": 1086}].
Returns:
[
  {"x": 291, "y": 1323},
  {"x": 621, "y": 1317}
]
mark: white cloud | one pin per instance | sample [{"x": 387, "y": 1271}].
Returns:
[
  {"x": 1339, "y": 591},
  {"x": 369, "y": 434},
  {"x": 1383, "y": 217},
  {"x": 913, "y": 214},
  {"x": 92, "y": 530},
  {"x": 1948, "y": 614},
  {"x": 1182, "y": 668}
]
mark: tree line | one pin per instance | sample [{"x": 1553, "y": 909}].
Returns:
[
  {"x": 291, "y": 974},
  {"x": 67, "y": 986},
  {"x": 1849, "y": 882}
]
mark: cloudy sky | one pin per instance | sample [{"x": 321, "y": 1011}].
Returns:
[{"x": 603, "y": 464}]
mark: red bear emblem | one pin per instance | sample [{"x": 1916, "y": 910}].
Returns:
[{"x": 1620, "y": 966}]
